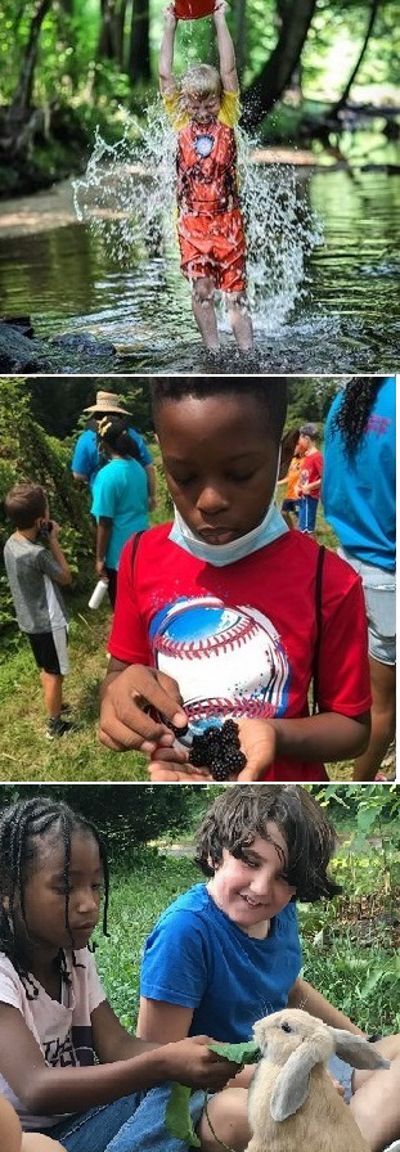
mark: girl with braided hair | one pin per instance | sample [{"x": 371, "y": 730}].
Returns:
[
  {"x": 67, "y": 1066},
  {"x": 359, "y": 502}
]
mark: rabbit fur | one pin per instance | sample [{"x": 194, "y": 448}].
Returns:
[{"x": 292, "y": 1101}]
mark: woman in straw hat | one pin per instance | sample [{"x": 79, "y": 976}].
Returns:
[{"x": 86, "y": 460}]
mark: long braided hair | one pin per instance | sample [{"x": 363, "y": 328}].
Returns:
[
  {"x": 353, "y": 414},
  {"x": 21, "y": 824}
]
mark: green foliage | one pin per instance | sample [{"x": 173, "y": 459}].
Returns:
[
  {"x": 126, "y": 816},
  {"x": 74, "y": 78},
  {"x": 247, "y": 1053},
  {"x": 178, "y": 1121},
  {"x": 28, "y": 454}
]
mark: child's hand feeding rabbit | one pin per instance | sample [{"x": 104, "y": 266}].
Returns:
[{"x": 293, "y": 1102}]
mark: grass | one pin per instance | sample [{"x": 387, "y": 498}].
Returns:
[
  {"x": 26, "y": 754},
  {"x": 355, "y": 973}
]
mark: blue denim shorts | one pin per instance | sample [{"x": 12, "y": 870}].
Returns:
[
  {"x": 132, "y": 1123},
  {"x": 343, "y": 1073},
  {"x": 380, "y": 600}
]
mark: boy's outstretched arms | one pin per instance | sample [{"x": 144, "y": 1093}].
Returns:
[
  {"x": 226, "y": 51},
  {"x": 166, "y": 58}
]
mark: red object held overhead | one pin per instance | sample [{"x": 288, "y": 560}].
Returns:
[{"x": 193, "y": 9}]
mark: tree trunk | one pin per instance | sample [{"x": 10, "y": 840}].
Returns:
[
  {"x": 275, "y": 75},
  {"x": 139, "y": 49},
  {"x": 374, "y": 9},
  {"x": 283, "y": 11},
  {"x": 239, "y": 11},
  {"x": 23, "y": 93},
  {"x": 107, "y": 47},
  {"x": 120, "y": 32}
]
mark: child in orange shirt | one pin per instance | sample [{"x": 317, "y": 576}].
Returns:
[
  {"x": 204, "y": 108},
  {"x": 290, "y": 477}
]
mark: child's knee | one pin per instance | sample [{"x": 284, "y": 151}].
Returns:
[
  {"x": 203, "y": 290},
  {"x": 237, "y": 301},
  {"x": 225, "y": 1121},
  {"x": 35, "y": 1142}
]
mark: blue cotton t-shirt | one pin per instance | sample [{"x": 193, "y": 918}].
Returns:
[
  {"x": 196, "y": 957},
  {"x": 359, "y": 493},
  {"x": 120, "y": 493},
  {"x": 86, "y": 458}
]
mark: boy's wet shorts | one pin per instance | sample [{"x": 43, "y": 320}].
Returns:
[
  {"x": 214, "y": 246},
  {"x": 380, "y": 599},
  {"x": 343, "y": 1073},
  {"x": 50, "y": 650}
]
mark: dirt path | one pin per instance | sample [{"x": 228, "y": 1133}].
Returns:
[{"x": 52, "y": 208}]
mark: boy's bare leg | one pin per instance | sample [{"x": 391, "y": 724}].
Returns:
[
  {"x": 240, "y": 319},
  {"x": 375, "y": 1102},
  {"x": 228, "y": 1115},
  {"x": 204, "y": 312},
  {"x": 52, "y": 688},
  {"x": 35, "y": 1142},
  {"x": 383, "y": 719}
]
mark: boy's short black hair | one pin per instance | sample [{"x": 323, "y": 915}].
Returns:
[
  {"x": 243, "y": 811},
  {"x": 24, "y": 504},
  {"x": 269, "y": 391}
]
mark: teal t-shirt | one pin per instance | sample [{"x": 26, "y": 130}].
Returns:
[{"x": 120, "y": 493}]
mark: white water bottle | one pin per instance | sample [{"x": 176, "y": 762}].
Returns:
[{"x": 98, "y": 594}]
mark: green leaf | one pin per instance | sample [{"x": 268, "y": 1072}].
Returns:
[
  {"x": 247, "y": 1053},
  {"x": 177, "y": 1117}
]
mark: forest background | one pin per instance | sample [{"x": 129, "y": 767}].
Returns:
[{"x": 309, "y": 69}]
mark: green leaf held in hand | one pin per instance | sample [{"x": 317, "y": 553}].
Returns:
[
  {"x": 178, "y": 1120},
  {"x": 247, "y": 1053}
]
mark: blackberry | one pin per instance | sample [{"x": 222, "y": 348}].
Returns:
[{"x": 218, "y": 749}]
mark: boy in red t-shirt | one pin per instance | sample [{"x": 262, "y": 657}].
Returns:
[
  {"x": 217, "y": 614},
  {"x": 310, "y": 476},
  {"x": 204, "y": 108}
]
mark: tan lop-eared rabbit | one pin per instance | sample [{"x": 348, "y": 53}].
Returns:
[{"x": 293, "y": 1103}]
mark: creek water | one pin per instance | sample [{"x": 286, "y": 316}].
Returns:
[{"x": 324, "y": 264}]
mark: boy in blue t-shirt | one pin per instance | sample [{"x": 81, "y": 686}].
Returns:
[{"x": 226, "y": 953}]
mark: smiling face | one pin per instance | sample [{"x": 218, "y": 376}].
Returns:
[
  {"x": 220, "y": 462},
  {"x": 253, "y": 889},
  {"x": 203, "y": 109},
  {"x": 60, "y": 913}
]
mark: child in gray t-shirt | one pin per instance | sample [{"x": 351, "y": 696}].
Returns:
[{"x": 35, "y": 573}]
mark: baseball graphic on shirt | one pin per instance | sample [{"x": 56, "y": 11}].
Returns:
[
  {"x": 228, "y": 661},
  {"x": 203, "y": 145}
]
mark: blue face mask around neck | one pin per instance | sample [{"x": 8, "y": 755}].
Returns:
[{"x": 219, "y": 555}]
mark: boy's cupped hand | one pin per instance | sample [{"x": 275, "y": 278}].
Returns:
[{"x": 257, "y": 742}]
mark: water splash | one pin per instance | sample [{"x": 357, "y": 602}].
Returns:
[{"x": 127, "y": 197}]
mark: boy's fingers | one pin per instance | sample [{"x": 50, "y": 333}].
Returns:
[
  {"x": 174, "y": 754},
  {"x": 122, "y": 739},
  {"x": 162, "y": 772}
]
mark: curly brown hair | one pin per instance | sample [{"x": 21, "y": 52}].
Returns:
[{"x": 243, "y": 811}]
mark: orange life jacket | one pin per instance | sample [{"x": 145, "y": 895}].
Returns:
[{"x": 206, "y": 166}]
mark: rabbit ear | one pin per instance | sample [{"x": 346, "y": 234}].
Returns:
[
  {"x": 293, "y": 1083},
  {"x": 356, "y": 1050}
]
